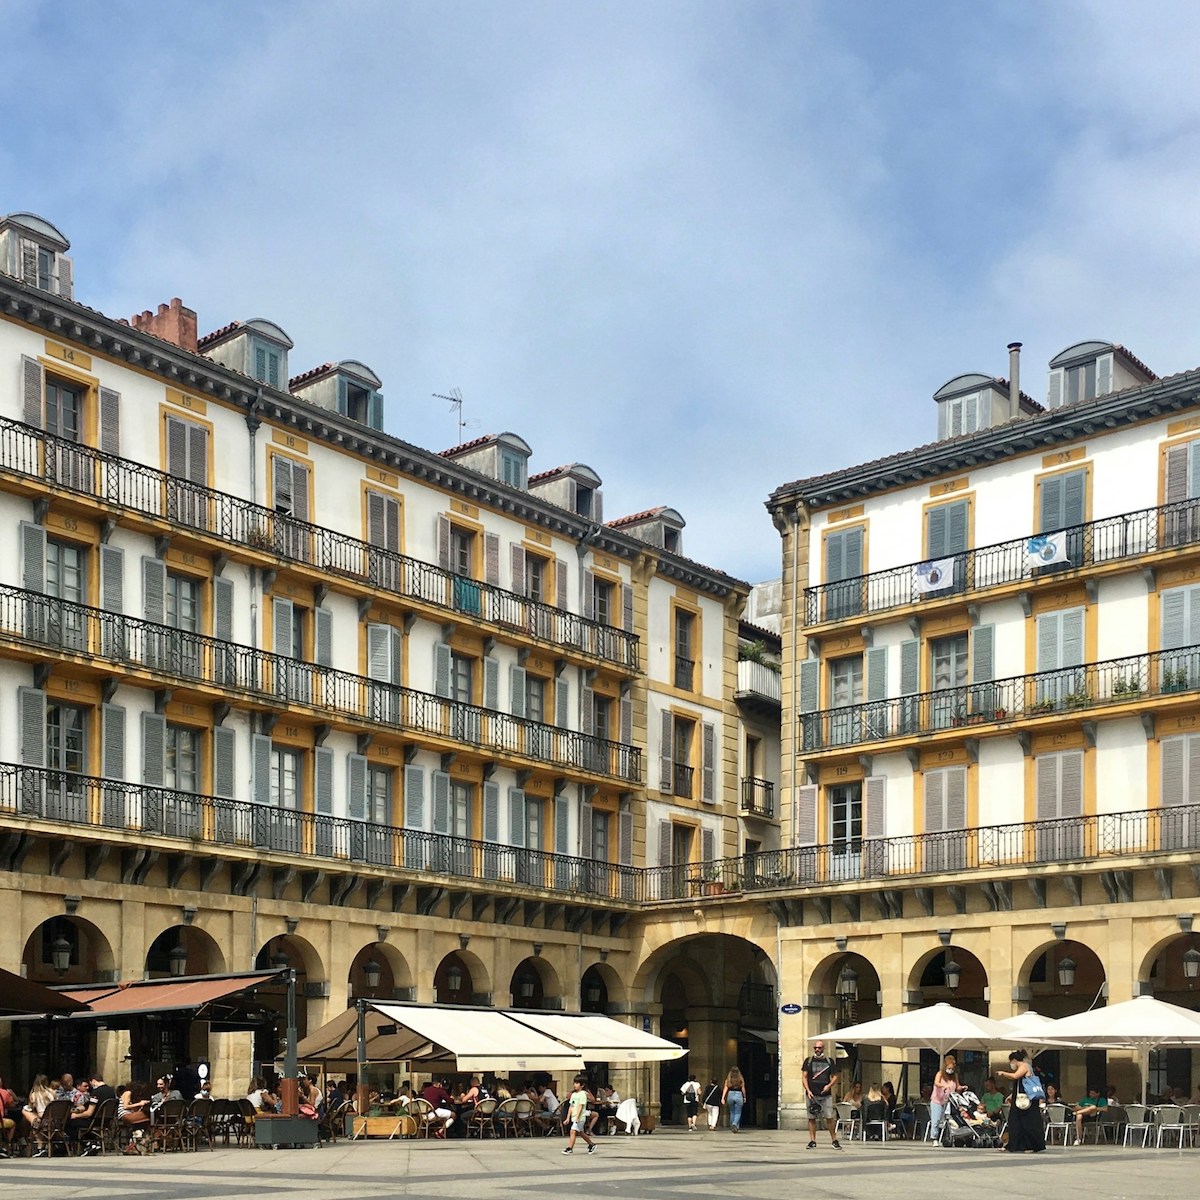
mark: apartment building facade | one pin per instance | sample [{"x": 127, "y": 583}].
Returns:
[{"x": 278, "y": 689}]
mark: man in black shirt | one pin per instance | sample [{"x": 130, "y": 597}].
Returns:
[{"x": 819, "y": 1075}]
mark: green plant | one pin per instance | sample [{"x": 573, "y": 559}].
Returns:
[
  {"x": 756, "y": 652},
  {"x": 1126, "y": 687},
  {"x": 1077, "y": 700},
  {"x": 258, "y": 537},
  {"x": 1042, "y": 706}
]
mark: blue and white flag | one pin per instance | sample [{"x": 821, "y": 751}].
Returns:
[
  {"x": 1047, "y": 548},
  {"x": 933, "y": 576}
]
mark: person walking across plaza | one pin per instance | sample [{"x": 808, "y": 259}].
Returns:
[
  {"x": 818, "y": 1075},
  {"x": 734, "y": 1096},
  {"x": 577, "y": 1111},
  {"x": 690, "y": 1092},
  {"x": 712, "y": 1103}
]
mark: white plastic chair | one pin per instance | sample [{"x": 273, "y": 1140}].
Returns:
[
  {"x": 1139, "y": 1122},
  {"x": 847, "y": 1120},
  {"x": 1169, "y": 1119},
  {"x": 1057, "y": 1119}
]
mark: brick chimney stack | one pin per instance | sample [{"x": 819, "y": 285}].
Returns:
[{"x": 172, "y": 323}]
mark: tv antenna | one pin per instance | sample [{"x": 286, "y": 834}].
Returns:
[{"x": 455, "y": 400}]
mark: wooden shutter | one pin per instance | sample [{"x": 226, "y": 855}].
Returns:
[
  {"x": 356, "y": 787},
  {"x": 1104, "y": 374},
  {"x": 627, "y": 608},
  {"x": 956, "y": 798},
  {"x": 805, "y": 832},
  {"x": 562, "y": 825},
  {"x": 585, "y": 830},
  {"x": 589, "y": 595},
  {"x": 1072, "y": 637},
  {"x": 491, "y": 684},
  {"x": 323, "y": 781},
  {"x": 844, "y": 555},
  {"x": 516, "y": 691},
  {"x": 491, "y": 811},
  {"x": 1180, "y": 618},
  {"x": 29, "y": 261},
  {"x": 383, "y": 521},
  {"x": 666, "y": 752},
  {"x": 154, "y": 749},
  {"x": 562, "y": 702},
  {"x": 112, "y": 579},
  {"x": 626, "y": 720},
  {"x": 197, "y": 469},
  {"x": 1070, "y": 798},
  {"x": 935, "y": 801},
  {"x": 875, "y": 806},
  {"x": 379, "y": 658},
  {"x": 561, "y": 599},
  {"x": 324, "y": 638},
  {"x": 284, "y": 500},
  {"x": 587, "y": 710},
  {"x": 664, "y": 843},
  {"x": 947, "y": 529},
  {"x": 110, "y": 421},
  {"x": 708, "y": 760},
  {"x": 810, "y": 685},
  {"x": 983, "y": 654},
  {"x": 518, "y": 569},
  {"x": 300, "y": 492},
  {"x": 441, "y": 669},
  {"x": 1176, "y": 488},
  {"x": 708, "y": 845},
  {"x": 33, "y": 557},
  {"x": 443, "y": 542},
  {"x": 154, "y": 590},
  {"x": 1054, "y": 394},
  {"x": 112, "y": 750},
  {"x": 625, "y": 839},
  {"x": 491, "y": 559},
  {"x": 260, "y": 769},
  {"x": 441, "y": 802},
  {"x": 1052, "y": 504},
  {"x": 516, "y": 817},
  {"x": 910, "y": 667},
  {"x": 224, "y": 748},
  {"x": 282, "y": 618},
  {"x": 877, "y": 673},
  {"x": 1074, "y": 497},
  {"x": 32, "y": 703},
  {"x": 375, "y": 410},
  {"x": 33, "y": 387},
  {"x": 414, "y": 797}
]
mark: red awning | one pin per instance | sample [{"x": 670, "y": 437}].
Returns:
[
  {"x": 20, "y": 995},
  {"x": 163, "y": 995}
]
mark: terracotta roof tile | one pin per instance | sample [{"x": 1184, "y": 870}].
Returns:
[
  {"x": 1137, "y": 362},
  {"x": 218, "y": 334},
  {"x": 638, "y": 517},
  {"x": 551, "y": 473},
  {"x": 471, "y": 445},
  {"x": 305, "y": 376}
]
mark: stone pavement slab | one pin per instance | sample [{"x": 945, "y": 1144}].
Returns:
[{"x": 753, "y": 1165}]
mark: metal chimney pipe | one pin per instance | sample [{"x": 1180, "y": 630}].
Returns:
[{"x": 1014, "y": 378}]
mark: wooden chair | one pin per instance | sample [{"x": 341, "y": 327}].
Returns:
[
  {"x": 333, "y": 1122},
  {"x": 243, "y": 1126},
  {"x": 100, "y": 1128},
  {"x": 504, "y": 1118},
  {"x": 199, "y": 1127},
  {"x": 479, "y": 1122},
  {"x": 51, "y": 1130},
  {"x": 426, "y": 1119},
  {"x": 223, "y": 1120}
]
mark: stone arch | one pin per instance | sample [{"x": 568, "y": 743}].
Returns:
[
  {"x": 90, "y": 954},
  {"x": 395, "y": 975},
  {"x": 1162, "y": 969},
  {"x": 1038, "y": 975},
  {"x": 535, "y": 984},
  {"x": 612, "y": 989},
  {"x": 475, "y": 986},
  {"x": 311, "y": 983},
  {"x": 204, "y": 955},
  {"x": 299, "y": 952},
  {"x": 928, "y": 976}
]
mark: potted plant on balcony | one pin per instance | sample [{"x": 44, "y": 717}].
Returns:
[
  {"x": 1127, "y": 688},
  {"x": 1175, "y": 681},
  {"x": 1042, "y": 706},
  {"x": 1079, "y": 699},
  {"x": 258, "y": 537}
]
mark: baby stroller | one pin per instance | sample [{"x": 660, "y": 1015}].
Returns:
[{"x": 965, "y": 1125}]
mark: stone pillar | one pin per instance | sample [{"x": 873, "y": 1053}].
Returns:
[
  {"x": 231, "y": 1064},
  {"x": 111, "y": 1048}
]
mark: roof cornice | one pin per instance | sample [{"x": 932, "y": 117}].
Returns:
[{"x": 1024, "y": 435}]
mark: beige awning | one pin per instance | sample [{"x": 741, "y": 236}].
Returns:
[{"x": 600, "y": 1039}]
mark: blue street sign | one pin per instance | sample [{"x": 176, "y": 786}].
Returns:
[{"x": 790, "y": 1009}]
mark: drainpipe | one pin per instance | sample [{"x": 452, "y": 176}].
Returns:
[
  {"x": 588, "y": 539},
  {"x": 252, "y": 424},
  {"x": 1014, "y": 378}
]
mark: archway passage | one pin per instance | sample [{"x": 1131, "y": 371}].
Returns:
[
  {"x": 280, "y": 953},
  {"x": 716, "y": 995}
]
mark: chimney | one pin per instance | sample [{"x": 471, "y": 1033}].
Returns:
[
  {"x": 173, "y": 323},
  {"x": 1014, "y": 378}
]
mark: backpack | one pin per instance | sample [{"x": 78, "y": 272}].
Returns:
[{"x": 691, "y": 1090}]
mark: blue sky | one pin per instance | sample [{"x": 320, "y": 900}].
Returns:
[{"x": 705, "y": 248}]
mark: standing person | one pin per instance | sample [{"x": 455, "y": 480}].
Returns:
[
  {"x": 945, "y": 1084},
  {"x": 577, "y": 1115},
  {"x": 712, "y": 1103},
  {"x": 1026, "y": 1128},
  {"x": 735, "y": 1097},
  {"x": 690, "y": 1092},
  {"x": 818, "y": 1076}
]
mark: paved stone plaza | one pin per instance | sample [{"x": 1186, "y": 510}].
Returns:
[{"x": 757, "y": 1166}]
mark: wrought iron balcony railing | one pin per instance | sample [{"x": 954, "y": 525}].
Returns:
[
  {"x": 1068, "y": 839},
  {"x": 139, "y": 489},
  {"x": 685, "y": 673},
  {"x": 1109, "y": 539},
  {"x": 681, "y": 780},
  {"x": 32, "y": 619},
  {"x": 131, "y": 808},
  {"x": 758, "y": 797},
  {"x": 1067, "y": 690}
]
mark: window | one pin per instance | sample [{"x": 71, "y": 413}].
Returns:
[
  {"x": 460, "y": 809},
  {"x": 945, "y": 819},
  {"x": 285, "y": 779},
  {"x": 845, "y": 831},
  {"x": 1059, "y": 654},
  {"x": 358, "y": 403},
  {"x": 602, "y": 593},
  {"x": 512, "y": 468},
  {"x": 266, "y": 364},
  {"x": 291, "y": 493},
  {"x": 1180, "y": 829},
  {"x": 963, "y": 414},
  {"x": 601, "y": 716},
  {"x": 183, "y": 615},
  {"x": 66, "y": 580},
  {"x": 584, "y": 497},
  {"x": 1063, "y": 507},
  {"x": 1180, "y": 634},
  {"x": 379, "y": 795},
  {"x": 945, "y": 537},
  {"x": 600, "y": 833},
  {"x": 671, "y": 540},
  {"x": 536, "y": 572},
  {"x": 1080, "y": 382},
  {"x": 187, "y": 462},
  {"x": 534, "y": 823},
  {"x": 45, "y": 269},
  {"x": 383, "y": 521},
  {"x": 1059, "y": 806},
  {"x": 461, "y": 678},
  {"x": 66, "y": 750},
  {"x": 535, "y": 698},
  {"x": 181, "y": 760},
  {"x": 948, "y": 673},
  {"x": 64, "y": 406},
  {"x": 843, "y": 569},
  {"x": 681, "y": 757},
  {"x": 845, "y": 694},
  {"x": 462, "y": 551},
  {"x": 685, "y": 664}
]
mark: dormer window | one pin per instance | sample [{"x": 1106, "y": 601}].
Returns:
[
  {"x": 1080, "y": 382},
  {"x": 358, "y": 402},
  {"x": 671, "y": 539},
  {"x": 583, "y": 500},
  {"x": 45, "y": 269},
  {"x": 33, "y": 251},
  {"x": 512, "y": 467},
  {"x": 266, "y": 364}
]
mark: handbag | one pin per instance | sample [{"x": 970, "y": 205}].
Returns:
[
  {"x": 815, "y": 1106},
  {"x": 1022, "y": 1100},
  {"x": 1033, "y": 1087}
]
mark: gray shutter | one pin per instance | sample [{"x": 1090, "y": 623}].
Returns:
[
  {"x": 585, "y": 830},
  {"x": 562, "y": 825},
  {"x": 33, "y": 379},
  {"x": 414, "y": 797},
  {"x": 441, "y": 802},
  {"x": 626, "y": 720},
  {"x": 1047, "y": 787},
  {"x": 562, "y": 702},
  {"x": 441, "y": 669},
  {"x": 1074, "y": 497},
  {"x": 323, "y": 781},
  {"x": 589, "y": 595},
  {"x": 708, "y": 845},
  {"x": 32, "y": 703},
  {"x": 260, "y": 769},
  {"x": 910, "y": 667},
  {"x": 491, "y": 559},
  {"x": 110, "y": 421},
  {"x": 516, "y": 818},
  {"x": 443, "y": 542},
  {"x": 664, "y": 843},
  {"x": 516, "y": 691},
  {"x": 1176, "y": 490},
  {"x": 379, "y": 660},
  {"x": 284, "y": 500},
  {"x": 1072, "y": 637},
  {"x": 300, "y": 492},
  {"x": 874, "y": 802},
  {"x": 1054, "y": 395},
  {"x": 1104, "y": 374},
  {"x": 983, "y": 654},
  {"x": 177, "y": 448},
  {"x": 935, "y": 531},
  {"x": 810, "y": 685},
  {"x": 935, "y": 801},
  {"x": 877, "y": 673},
  {"x": 709, "y": 760},
  {"x": 627, "y": 608},
  {"x": 1070, "y": 797},
  {"x": 956, "y": 527},
  {"x": 1173, "y": 789},
  {"x": 33, "y": 556},
  {"x": 376, "y": 520},
  {"x": 154, "y": 748},
  {"x": 356, "y": 787},
  {"x": 852, "y": 553},
  {"x": 375, "y": 410},
  {"x": 324, "y": 638},
  {"x": 587, "y": 710},
  {"x": 29, "y": 261},
  {"x": 112, "y": 750},
  {"x": 560, "y": 585},
  {"x": 956, "y": 798},
  {"x": 805, "y": 833},
  {"x": 224, "y": 746},
  {"x": 112, "y": 579},
  {"x": 625, "y": 839},
  {"x": 491, "y": 812},
  {"x": 197, "y": 470},
  {"x": 518, "y": 569},
  {"x": 666, "y": 751},
  {"x": 282, "y": 617},
  {"x": 491, "y": 684},
  {"x": 154, "y": 590},
  {"x": 1052, "y": 504},
  {"x": 223, "y": 609}
]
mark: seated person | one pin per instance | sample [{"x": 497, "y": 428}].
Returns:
[
  {"x": 40, "y": 1094},
  {"x": 82, "y": 1111},
  {"x": 1052, "y": 1094},
  {"x": 1110, "y": 1094},
  {"x": 548, "y": 1106},
  {"x": 1088, "y": 1109},
  {"x": 993, "y": 1099},
  {"x": 438, "y": 1096},
  {"x": 473, "y": 1093},
  {"x": 66, "y": 1089},
  {"x": 854, "y": 1097},
  {"x": 9, "y": 1108},
  {"x": 263, "y": 1099}
]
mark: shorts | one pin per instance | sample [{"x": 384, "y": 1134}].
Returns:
[
  {"x": 580, "y": 1125},
  {"x": 691, "y": 1107},
  {"x": 826, "y": 1109}
]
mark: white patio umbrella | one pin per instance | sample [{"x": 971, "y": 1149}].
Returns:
[
  {"x": 940, "y": 1027},
  {"x": 1035, "y": 1029},
  {"x": 1142, "y": 1024}
]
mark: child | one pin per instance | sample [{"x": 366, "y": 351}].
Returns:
[{"x": 577, "y": 1115}]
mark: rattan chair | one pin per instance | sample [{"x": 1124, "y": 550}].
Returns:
[
  {"x": 51, "y": 1129},
  {"x": 169, "y": 1125},
  {"x": 100, "y": 1128},
  {"x": 423, "y": 1115},
  {"x": 479, "y": 1122}
]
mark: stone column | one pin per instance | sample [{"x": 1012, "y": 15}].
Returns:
[{"x": 231, "y": 1064}]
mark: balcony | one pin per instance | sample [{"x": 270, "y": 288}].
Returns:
[
  {"x": 681, "y": 780},
  {"x": 685, "y": 673},
  {"x": 1108, "y": 540},
  {"x": 759, "y": 683},
  {"x": 1071, "y": 691},
  {"x": 991, "y": 848},
  {"x": 191, "y": 660},
  {"x": 139, "y": 811},
  {"x": 139, "y": 490},
  {"x": 758, "y": 797}
]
